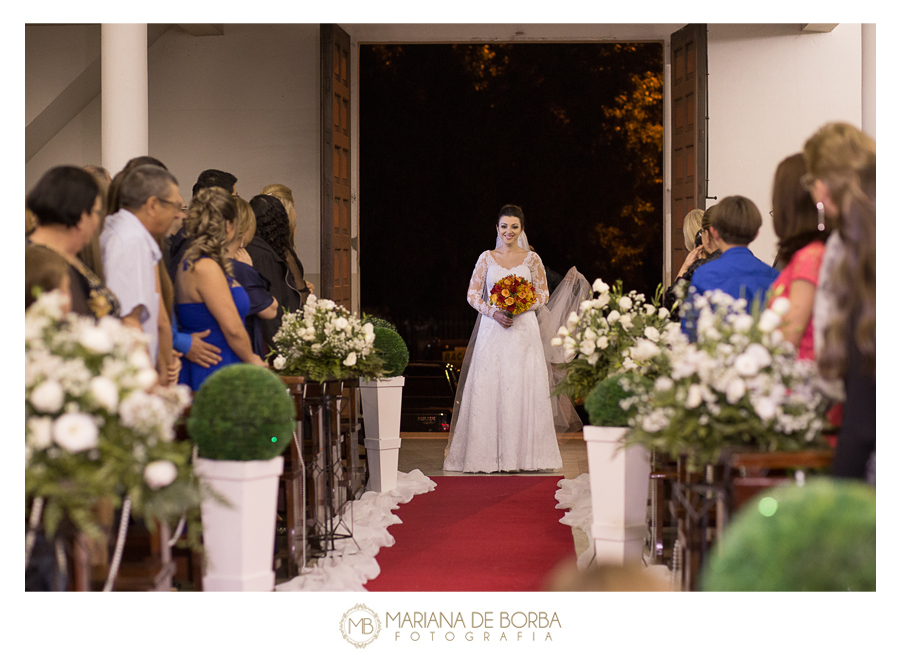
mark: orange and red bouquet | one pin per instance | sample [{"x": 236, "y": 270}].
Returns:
[{"x": 513, "y": 295}]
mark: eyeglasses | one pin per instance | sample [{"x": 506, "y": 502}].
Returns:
[{"x": 177, "y": 206}]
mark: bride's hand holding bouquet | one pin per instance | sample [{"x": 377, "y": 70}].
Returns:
[{"x": 511, "y": 295}]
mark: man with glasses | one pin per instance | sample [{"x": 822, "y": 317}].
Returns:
[{"x": 150, "y": 202}]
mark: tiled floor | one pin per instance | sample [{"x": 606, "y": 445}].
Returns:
[{"x": 426, "y": 453}]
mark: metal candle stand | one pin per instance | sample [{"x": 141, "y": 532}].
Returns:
[{"x": 334, "y": 476}]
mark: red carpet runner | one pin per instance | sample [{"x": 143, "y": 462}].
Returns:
[{"x": 476, "y": 533}]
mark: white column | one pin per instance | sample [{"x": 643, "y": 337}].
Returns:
[
  {"x": 124, "y": 113},
  {"x": 868, "y": 79}
]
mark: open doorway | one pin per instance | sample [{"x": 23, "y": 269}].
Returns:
[{"x": 449, "y": 133}]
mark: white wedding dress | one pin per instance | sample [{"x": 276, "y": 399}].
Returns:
[{"x": 504, "y": 421}]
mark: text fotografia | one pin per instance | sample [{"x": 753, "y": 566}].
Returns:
[{"x": 479, "y": 626}]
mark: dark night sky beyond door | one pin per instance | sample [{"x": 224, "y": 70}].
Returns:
[{"x": 450, "y": 133}]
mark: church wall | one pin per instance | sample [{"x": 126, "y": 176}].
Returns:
[{"x": 770, "y": 88}]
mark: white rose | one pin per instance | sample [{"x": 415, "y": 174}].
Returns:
[
  {"x": 48, "y": 396},
  {"x": 40, "y": 433},
  {"x": 279, "y": 362},
  {"x": 742, "y": 322},
  {"x": 625, "y": 321},
  {"x": 781, "y": 305},
  {"x": 590, "y": 334},
  {"x": 602, "y": 300},
  {"x": 735, "y": 390},
  {"x": 105, "y": 393},
  {"x": 664, "y": 384},
  {"x": 75, "y": 432},
  {"x": 664, "y": 313},
  {"x": 146, "y": 378},
  {"x": 586, "y": 304},
  {"x": 556, "y": 341},
  {"x": 613, "y": 316},
  {"x": 563, "y": 332},
  {"x": 652, "y": 333},
  {"x": 602, "y": 342},
  {"x": 368, "y": 328},
  {"x": 625, "y": 303},
  {"x": 599, "y": 286},
  {"x": 588, "y": 347},
  {"x": 629, "y": 364},
  {"x": 765, "y": 408},
  {"x": 96, "y": 340},
  {"x": 350, "y": 361},
  {"x": 160, "y": 473},
  {"x": 769, "y": 320},
  {"x": 694, "y": 396},
  {"x": 139, "y": 358},
  {"x": 593, "y": 358},
  {"x": 644, "y": 350},
  {"x": 341, "y": 323},
  {"x": 572, "y": 320}
]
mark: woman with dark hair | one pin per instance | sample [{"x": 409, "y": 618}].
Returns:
[
  {"x": 274, "y": 258},
  {"x": 67, "y": 207},
  {"x": 840, "y": 161},
  {"x": 801, "y": 235},
  {"x": 502, "y": 418},
  {"x": 207, "y": 295}
]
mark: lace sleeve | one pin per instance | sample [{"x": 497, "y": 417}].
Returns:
[
  {"x": 476, "y": 287},
  {"x": 538, "y": 278}
]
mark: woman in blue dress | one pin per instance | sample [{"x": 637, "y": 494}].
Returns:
[{"x": 207, "y": 295}]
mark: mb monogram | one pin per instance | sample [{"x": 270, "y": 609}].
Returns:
[{"x": 360, "y": 626}]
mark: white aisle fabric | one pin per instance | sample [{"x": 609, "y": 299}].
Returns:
[
  {"x": 575, "y": 495},
  {"x": 352, "y": 563}
]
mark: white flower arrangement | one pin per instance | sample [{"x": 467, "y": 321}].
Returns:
[
  {"x": 614, "y": 332},
  {"x": 739, "y": 385},
  {"x": 325, "y": 341},
  {"x": 94, "y": 424}
]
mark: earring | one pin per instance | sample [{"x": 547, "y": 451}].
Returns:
[{"x": 820, "y": 207}]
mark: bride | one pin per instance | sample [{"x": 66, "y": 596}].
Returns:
[{"x": 503, "y": 418}]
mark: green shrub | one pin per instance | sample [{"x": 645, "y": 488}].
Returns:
[
  {"x": 242, "y": 413},
  {"x": 602, "y": 403},
  {"x": 814, "y": 538},
  {"x": 381, "y": 322},
  {"x": 393, "y": 350}
]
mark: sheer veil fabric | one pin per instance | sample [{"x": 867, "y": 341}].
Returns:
[{"x": 567, "y": 297}]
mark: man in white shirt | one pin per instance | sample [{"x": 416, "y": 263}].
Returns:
[{"x": 150, "y": 203}]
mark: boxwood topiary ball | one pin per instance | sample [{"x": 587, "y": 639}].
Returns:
[
  {"x": 242, "y": 412},
  {"x": 815, "y": 538},
  {"x": 381, "y": 322},
  {"x": 602, "y": 403},
  {"x": 392, "y": 349}
]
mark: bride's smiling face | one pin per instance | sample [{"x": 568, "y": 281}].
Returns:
[{"x": 509, "y": 228}]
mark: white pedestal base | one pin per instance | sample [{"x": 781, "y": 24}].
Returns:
[
  {"x": 240, "y": 540},
  {"x": 383, "y": 456},
  {"x": 619, "y": 486}
]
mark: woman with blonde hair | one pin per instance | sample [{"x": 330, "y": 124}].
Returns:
[
  {"x": 263, "y": 306},
  {"x": 700, "y": 249},
  {"x": 840, "y": 161},
  {"x": 207, "y": 295}
]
